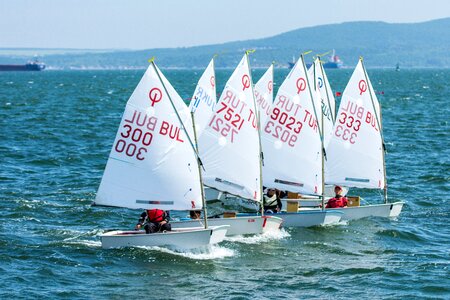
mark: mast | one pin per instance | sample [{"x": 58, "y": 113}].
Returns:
[
  {"x": 202, "y": 189},
  {"x": 384, "y": 162},
  {"x": 320, "y": 129},
  {"x": 199, "y": 162},
  {"x": 215, "y": 82},
  {"x": 261, "y": 155},
  {"x": 383, "y": 150},
  {"x": 324, "y": 154},
  {"x": 323, "y": 134}
]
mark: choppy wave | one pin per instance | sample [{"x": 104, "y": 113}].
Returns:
[
  {"x": 56, "y": 136},
  {"x": 259, "y": 238}
]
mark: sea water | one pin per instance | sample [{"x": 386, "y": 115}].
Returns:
[{"x": 57, "y": 128}]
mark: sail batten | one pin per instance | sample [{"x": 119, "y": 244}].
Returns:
[{"x": 290, "y": 138}]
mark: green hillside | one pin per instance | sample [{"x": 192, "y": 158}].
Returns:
[{"x": 381, "y": 44}]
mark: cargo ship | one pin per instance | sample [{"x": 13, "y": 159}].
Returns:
[
  {"x": 29, "y": 66},
  {"x": 334, "y": 62}
]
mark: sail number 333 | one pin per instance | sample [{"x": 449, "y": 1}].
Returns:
[{"x": 347, "y": 128}]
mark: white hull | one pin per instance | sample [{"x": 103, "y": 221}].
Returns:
[
  {"x": 247, "y": 204},
  {"x": 387, "y": 210},
  {"x": 240, "y": 225},
  {"x": 179, "y": 239},
  {"x": 213, "y": 196},
  {"x": 310, "y": 218}
]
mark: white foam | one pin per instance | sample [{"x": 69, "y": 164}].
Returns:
[
  {"x": 78, "y": 233},
  {"x": 340, "y": 223},
  {"x": 34, "y": 203},
  {"x": 209, "y": 253},
  {"x": 259, "y": 238},
  {"x": 26, "y": 219},
  {"x": 89, "y": 243}
]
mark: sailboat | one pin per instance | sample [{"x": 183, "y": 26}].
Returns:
[
  {"x": 153, "y": 164},
  {"x": 264, "y": 100},
  {"x": 324, "y": 100},
  {"x": 202, "y": 106},
  {"x": 292, "y": 148},
  {"x": 229, "y": 147},
  {"x": 355, "y": 154},
  {"x": 204, "y": 99}
]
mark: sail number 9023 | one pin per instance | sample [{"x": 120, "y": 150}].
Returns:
[{"x": 287, "y": 128}]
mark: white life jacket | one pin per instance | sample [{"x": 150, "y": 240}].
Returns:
[{"x": 270, "y": 201}]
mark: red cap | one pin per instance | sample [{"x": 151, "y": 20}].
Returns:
[{"x": 338, "y": 187}]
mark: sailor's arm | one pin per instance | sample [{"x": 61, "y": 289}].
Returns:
[{"x": 141, "y": 221}]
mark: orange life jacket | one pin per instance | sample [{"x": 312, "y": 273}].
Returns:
[{"x": 155, "y": 215}]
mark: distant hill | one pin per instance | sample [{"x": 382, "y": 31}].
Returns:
[{"x": 382, "y": 44}]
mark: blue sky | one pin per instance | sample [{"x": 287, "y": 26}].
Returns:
[{"x": 144, "y": 24}]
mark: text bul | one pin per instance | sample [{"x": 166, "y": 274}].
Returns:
[
  {"x": 353, "y": 109},
  {"x": 141, "y": 119},
  {"x": 170, "y": 130}
]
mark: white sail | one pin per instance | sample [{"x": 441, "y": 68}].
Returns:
[
  {"x": 354, "y": 154},
  {"x": 327, "y": 102},
  {"x": 152, "y": 163},
  {"x": 290, "y": 138},
  {"x": 204, "y": 99},
  {"x": 229, "y": 145},
  {"x": 264, "y": 94},
  {"x": 315, "y": 92}
]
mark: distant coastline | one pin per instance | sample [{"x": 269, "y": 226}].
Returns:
[{"x": 383, "y": 45}]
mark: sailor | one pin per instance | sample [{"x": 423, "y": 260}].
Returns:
[
  {"x": 338, "y": 201},
  {"x": 272, "y": 202},
  {"x": 195, "y": 214},
  {"x": 154, "y": 220}
]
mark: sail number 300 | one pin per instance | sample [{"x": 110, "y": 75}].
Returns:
[{"x": 130, "y": 148}]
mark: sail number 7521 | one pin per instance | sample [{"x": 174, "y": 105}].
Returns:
[{"x": 229, "y": 123}]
